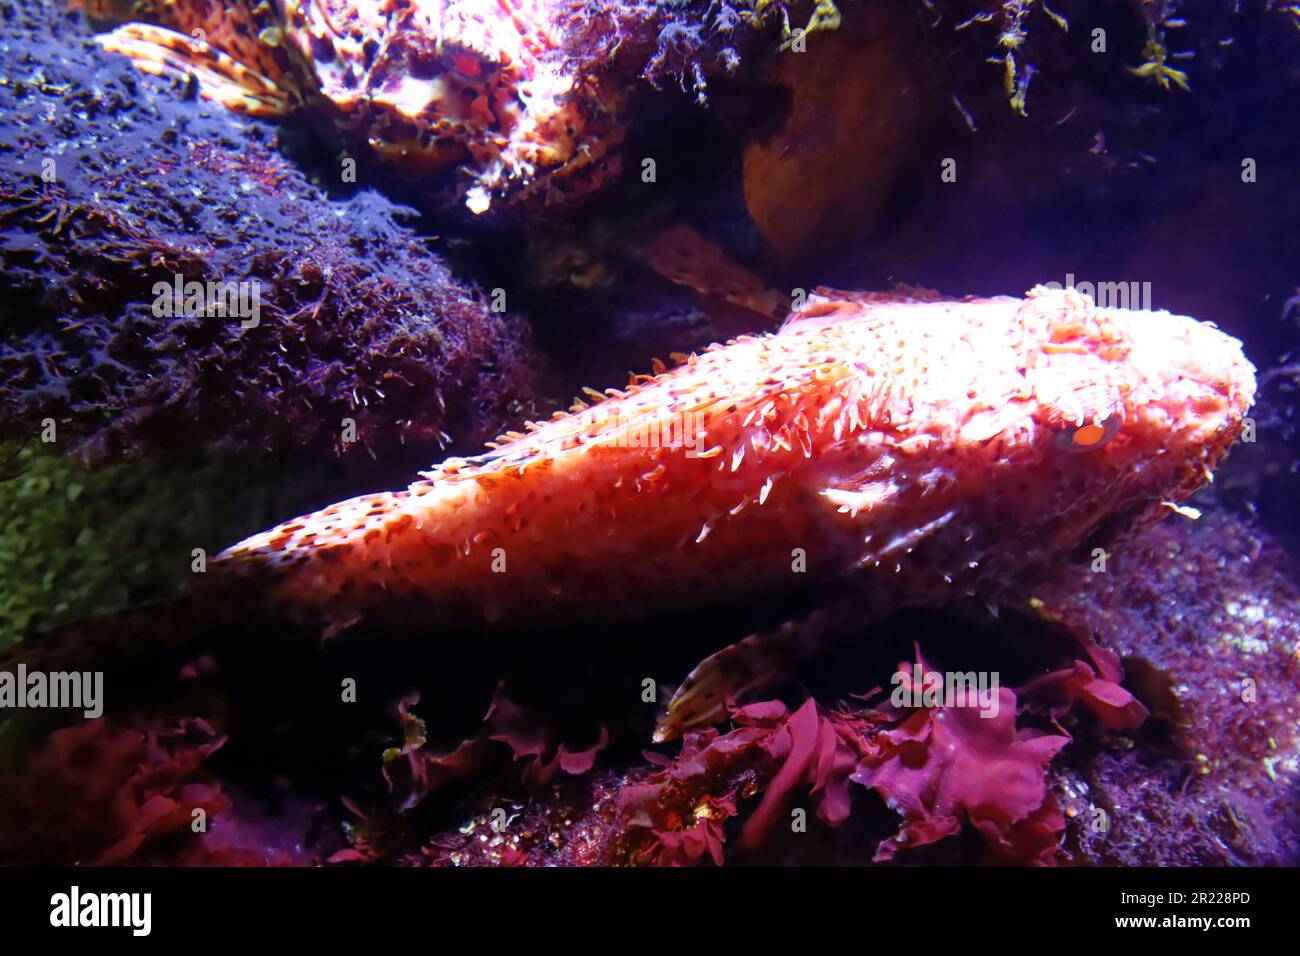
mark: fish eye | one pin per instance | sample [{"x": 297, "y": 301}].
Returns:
[{"x": 1088, "y": 436}]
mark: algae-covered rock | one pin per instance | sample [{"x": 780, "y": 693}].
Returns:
[
  {"x": 173, "y": 281},
  {"x": 77, "y": 542}
]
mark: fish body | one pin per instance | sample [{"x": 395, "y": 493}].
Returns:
[{"x": 915, "y": 449}]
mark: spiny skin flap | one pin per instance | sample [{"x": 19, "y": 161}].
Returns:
[{"x": 920, "y": 449}]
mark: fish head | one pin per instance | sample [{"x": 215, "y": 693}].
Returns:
[
  {"x": 1011, "y": 433},
  {"x": 1117, "y": 415},
  {"x": 1136, "y": 395}
]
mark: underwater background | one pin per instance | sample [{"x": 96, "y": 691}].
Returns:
[{"x": 613, "y": 183}]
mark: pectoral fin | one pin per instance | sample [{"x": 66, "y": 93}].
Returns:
[
  {"x": 759, "y": 662},
  {"x": 163, "y": 52}
]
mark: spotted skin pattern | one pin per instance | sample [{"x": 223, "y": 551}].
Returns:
[
  {"x": 916, "y": 450},
  {"x": 424, "y": 85}
]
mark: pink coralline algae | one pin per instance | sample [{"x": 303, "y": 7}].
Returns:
[{"x": 1206, "y": 617}]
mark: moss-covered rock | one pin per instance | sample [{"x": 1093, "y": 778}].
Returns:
[
  {"x": 78, "y": 542},
  {"x": 112, "y": 186}
]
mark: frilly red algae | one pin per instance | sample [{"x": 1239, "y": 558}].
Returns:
[
  {"x": 1095, "y": 684},
  {"x": 105, "y": 795},
  {"x": 939, "y": 769},
  {"x": 412, "y": 772},
  {"x": 142, "y": 791},
  {"x": 1204, "y": 778},
  {"x": 511, "y": 736}
]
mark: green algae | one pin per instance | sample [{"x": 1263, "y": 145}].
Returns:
[
  {"x": 1155, "y": 66},
  {"x": 76, "y": 543}
]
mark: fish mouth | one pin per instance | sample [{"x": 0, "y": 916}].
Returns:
[{"x": 1198, "y": 382}]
